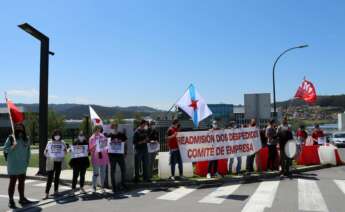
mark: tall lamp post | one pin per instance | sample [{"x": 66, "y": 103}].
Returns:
[
  {"x": 274, "y": 80},
  {"x": 43, "y": 99}
]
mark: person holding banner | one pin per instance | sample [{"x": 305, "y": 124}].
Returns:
[
  {"x": 271, "y": 135},
  {"x": 318, "y": 135},
  {"x": 99, "y": 157},
  {"x": 55, "y": 153},
  {"x": 153, "y": 145},
  {"x": 175, "y": 156},
  {"x": 251, "y": 158},
  {"x": 213, "y": 164},
  {"x": 284, "y": 134},
  {"x": 140, "y": 140},
  {"x": 79, "y": 161},
  {"x": 17, "y": 155},
  {"x": 231, "y": 160},
  {"x": 117, "y": 150}
]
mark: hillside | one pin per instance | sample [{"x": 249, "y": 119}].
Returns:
[
  {"x": 336, "y": 101},
  {"x": 78, "y": 111}
]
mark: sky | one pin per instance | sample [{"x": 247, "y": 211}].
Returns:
[{"x": 124, "y": 53}]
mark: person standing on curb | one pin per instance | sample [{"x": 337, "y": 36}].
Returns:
[
  {"x": 140, "y": 140},
  {"x": 17, "y": 155},
  {"x": 99, "y": 157},
  {"x": 117, "y": 138},
  {"x": 213, "y": 164},
  {"x": 284, "y": 135},
  {"x": 271, "y": 135},
  {"x": 231, "y": 160},
  {"x": 175, "y": 156},
  {"x": 55, "y": 153},
  {"x": 251, "y": 158},
  {"x": 79, "y": 165},
  {"x": 153, "y": 139}
]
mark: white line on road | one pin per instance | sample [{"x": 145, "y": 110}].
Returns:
[
  {"x": 177, "y": 194},
  {"x": 340, "y": 184},
  {"x": 310, "y": 197},
  {"x": 219, "y": 195},
  {"x": 263, "y": 197}
]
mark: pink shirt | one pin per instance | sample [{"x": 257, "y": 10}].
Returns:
[{"x": 95, "y": 159}]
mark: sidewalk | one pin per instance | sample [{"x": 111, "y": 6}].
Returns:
[{"x": 66, "y": 177}]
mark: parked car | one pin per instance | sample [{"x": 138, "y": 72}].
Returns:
[{"x": 338, "y": 139}]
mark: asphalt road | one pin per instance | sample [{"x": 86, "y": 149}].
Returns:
[{"x": 322, "y": 190}]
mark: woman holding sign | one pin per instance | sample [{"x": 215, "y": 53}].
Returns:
[
  {"x": 99, "y": 156},
  {"x": 79, "y": 161},
  {"x": 55, "y": 153},
  {"x": 17, "y": 154}
]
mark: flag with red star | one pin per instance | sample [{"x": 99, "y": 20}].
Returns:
[
  {"x": 96, "y": 120},
  {"x": 194, "y": 105}
]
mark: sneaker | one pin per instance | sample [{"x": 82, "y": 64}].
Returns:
[
  {"x": 46, "y": 197},
  {"x": 217, "y": 174},
  {"x": 94, "y": 190},
  {"x": 73, "y": 192},
  {"x": 25, "y": 201},
  {"x": 12, "y": 204},
  {"x": 208, "y": 176},
  {"x": 172, "y": 178},
  {"x": 82, "y": 190}
]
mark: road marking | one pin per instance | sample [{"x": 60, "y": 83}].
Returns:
[
  {"x": 43, "y": 185},
  {"x": 263, "y": 197},
  {"x": 310, "y": 197},
  {"x": 136, "y": 193},
  {"x": 340, "y": 184},
  {"x": 177, "y": 194},
  {"x": 219, "y": 195}
]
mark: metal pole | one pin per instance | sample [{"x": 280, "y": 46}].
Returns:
[
  {"x": 274, "y": 80},
  {"x": 43, "y": 106}
]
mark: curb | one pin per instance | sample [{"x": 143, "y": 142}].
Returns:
[{"x": 200, "y": 182}]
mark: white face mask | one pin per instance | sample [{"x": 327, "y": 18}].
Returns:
[
  {"x": 57, "y": 138},
  {"x": 214, "y": 126},
  {"x": 81, "y": 138},
  {"x": 146, "y": 127}
]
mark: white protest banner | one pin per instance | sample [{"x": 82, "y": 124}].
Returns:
[
  {"x": 56, "y": 150},
  {"x": 218, "y": 144},
  {"x": 321, "y": 140},
  {"x": 101, "y": 144},
  {"x": 153, "y": 147},
  {"x": 116, "y": 147},
  {"x": 79, "y": 151}
]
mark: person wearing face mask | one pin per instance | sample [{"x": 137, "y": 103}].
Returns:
[
  {"x": 140, "y": 140},
  {"x": 284, "y": 134},
  {"x": 54, "y": 165},
  {"x": 80, "y": 164},
  {"x": 17, "y": 152},
  {"x": 99, "y": 157},
  {"x": 175, "y": 156},
  {"x": 153, "y": 138},
  {"x": 213, "y": 164},
  {"x": 117, "y": 137}
]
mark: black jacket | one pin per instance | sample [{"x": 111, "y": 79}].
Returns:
[
  {"x": 80, "y": 162},
  {"x": 140, "y": 135}
]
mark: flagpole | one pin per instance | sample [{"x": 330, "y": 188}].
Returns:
[
  {"x": 178, "y": 99},
  {"x": 11, "y": 120}
]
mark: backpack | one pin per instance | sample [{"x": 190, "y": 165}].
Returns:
[{"x": 6, "y": 153}]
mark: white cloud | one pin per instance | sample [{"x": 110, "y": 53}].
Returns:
[{"x": 26, "y": 93}]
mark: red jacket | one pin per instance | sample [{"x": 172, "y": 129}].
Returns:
[{"x": 172, "y": 142}]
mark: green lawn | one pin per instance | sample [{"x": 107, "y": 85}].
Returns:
[{"x": 34, "y": 161}]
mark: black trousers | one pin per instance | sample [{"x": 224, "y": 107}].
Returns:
[
  {"x": 141, "y": 160},
  {"x": 78, "y": 171},
  {"x": 12, "y": 186},
  {"x": 285, "y": 162},
  {"x": 175, "y": 158},
  {"x": 250, "y": 163},
  {"x": 54, "y": 175},
  {"x": 272, "y": 156},
  {"x": 117, "y": 159},
  {"x": 212, "y": 166}
]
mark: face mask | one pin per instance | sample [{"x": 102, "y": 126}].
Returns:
[
  {"x": 57, "y": 138},
  {"x": 113, "y": 131},
  {"x": 146, "y": 128},
  {"x": 214, "y": 126},
  {"x": 81, "y": 138}
]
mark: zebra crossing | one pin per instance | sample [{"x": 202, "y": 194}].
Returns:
[{"x": 310, "y": 197}]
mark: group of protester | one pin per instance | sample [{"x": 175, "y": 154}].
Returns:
[{"x": 17, "y": 152}]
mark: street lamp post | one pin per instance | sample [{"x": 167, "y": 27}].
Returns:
[
  {"x": 43, "y": 99},
  {"x": 274, "y": 80}
]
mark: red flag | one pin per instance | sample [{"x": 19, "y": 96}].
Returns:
[
  {"x": 307, "y": 92},
  {"x": 17, "y": 115}
]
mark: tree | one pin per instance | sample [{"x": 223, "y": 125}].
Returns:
[
  {"x": 31, "y": 122},
  {"x": 55, "y": 121},
  {"x": 85, "y": 126},
  {"x": 118, "y": 118}
]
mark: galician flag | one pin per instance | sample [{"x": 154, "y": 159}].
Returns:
[
  {"x": 194, "y": 105},
  {"x": 96, "y": 120}
]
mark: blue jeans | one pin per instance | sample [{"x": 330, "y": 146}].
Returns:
[
  {"x": 238, "y": 167},
  {"x": 99, "y": 170}
]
